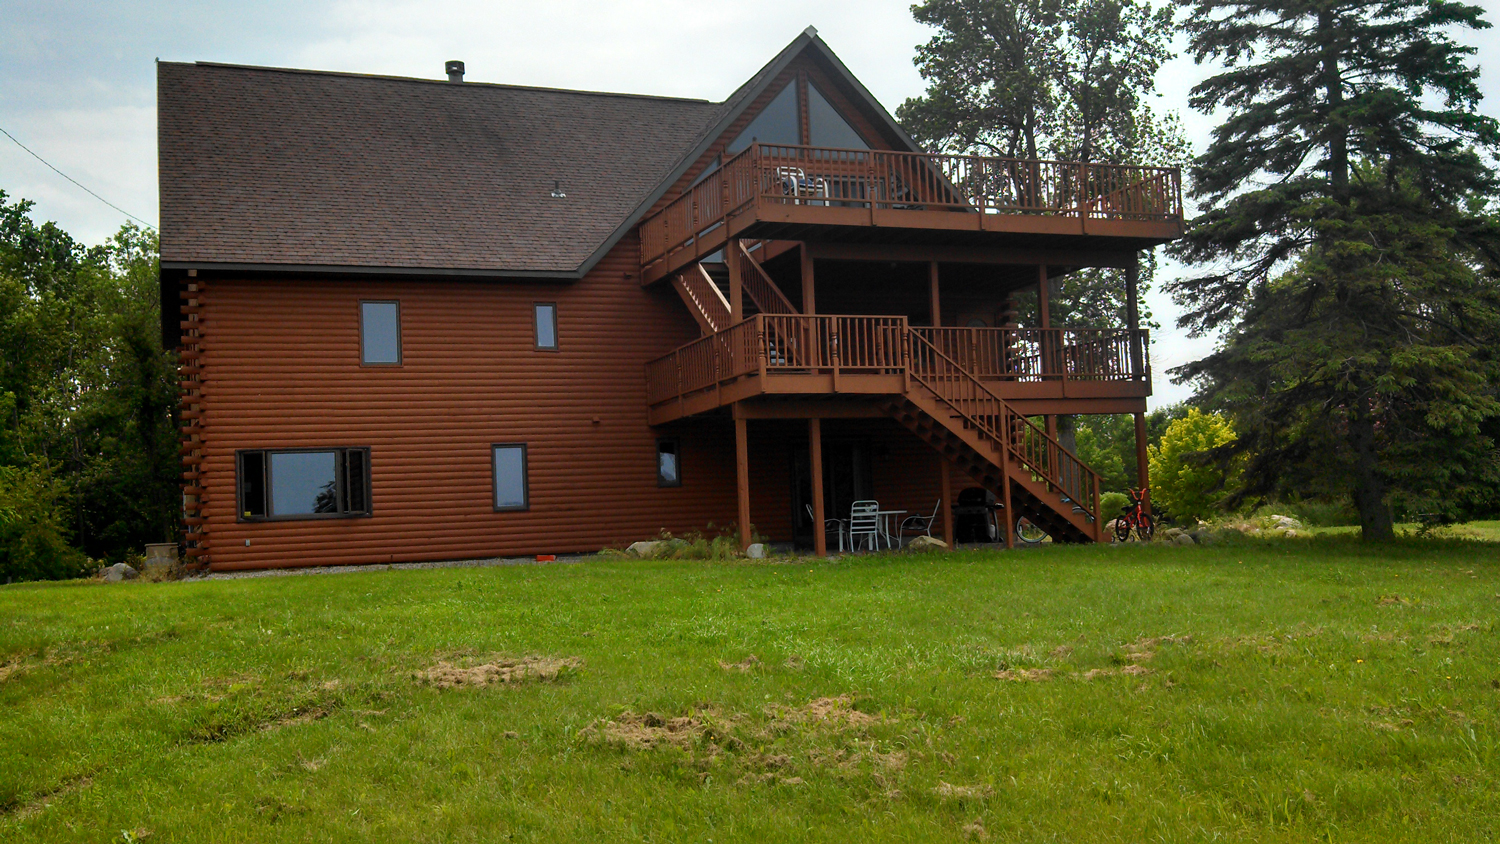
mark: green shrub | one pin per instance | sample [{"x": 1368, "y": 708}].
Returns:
[
  {"x": 1184, "y": 481},
  {"x": 1111, "y": 503},
  {"x": 32, "y": 544}
]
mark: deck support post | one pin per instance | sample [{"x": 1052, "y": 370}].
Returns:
[
  {"x": 742, "y": 478},
  {"x": 736, "y": 292},
  {"x": 935, "y": 308},
  {"x": 1049, "y": 353},
  {"x": 1142, "y": 462},
  {"x": 1008, "y": 520},
  {"x": 815, "y": 467},
  {"x": 1133, "y": 316},
  {"x": 947, "y": 506},
  {"x": 809, "y": 294}
]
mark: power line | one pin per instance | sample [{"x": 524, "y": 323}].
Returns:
[{"x": 76, "y": 182}]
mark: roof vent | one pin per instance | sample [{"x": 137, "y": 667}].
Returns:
[{"x": 455, "y": 69}]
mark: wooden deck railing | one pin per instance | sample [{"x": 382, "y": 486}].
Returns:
[
  {"x": 1045, "y": 354},
  {"x": 794, "y": 343},
  {"x": 879, "y": 179}
]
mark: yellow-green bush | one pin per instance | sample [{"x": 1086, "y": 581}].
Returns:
[{"x": 1185, "y": 482}]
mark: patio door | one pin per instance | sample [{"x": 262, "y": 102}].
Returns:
[{"x": 847, "y": 478}]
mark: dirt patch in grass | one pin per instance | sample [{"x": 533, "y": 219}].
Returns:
[
  {"x": 1143, "y": 650},
  {"x": 24, "y": 811},
  {"x": 14, "y": 665},
  {"x": 835, "y": 712},
  {"x": 744, "y": 666},
  {"x": 1132, "y": 670},
  {"x": 1025, "y": 675},
  {"x": 650, "y": 730},
  {"x": 498, "y": 671},
  {"x": 949, "y": 791}
]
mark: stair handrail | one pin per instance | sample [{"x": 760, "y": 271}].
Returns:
[
  {"x": 1081, "y": 494},
  {"x": 761, "y": 289}
]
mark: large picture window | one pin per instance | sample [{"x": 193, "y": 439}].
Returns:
[
  {"x": 304, "y": 483},
  {"x": 510, "y": 476},
  {"x": 380, "y": 333}
]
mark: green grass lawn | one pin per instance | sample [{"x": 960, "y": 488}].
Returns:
[{"x": 1304, "y": 690}]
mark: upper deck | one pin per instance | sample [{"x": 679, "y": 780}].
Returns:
[{"x": 803, "y": 192}]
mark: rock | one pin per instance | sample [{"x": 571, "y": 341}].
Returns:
[
  {"x": 119, "y": 572},
  {"x": 1183, "y": 539},
  {"x": 646, "y": 548},
  {"x": 1204, "y": 537},
  {"x": 1285, "y": 523},
  {"x": 756, "y": 551},
  {"x": 926, "y": 543}
]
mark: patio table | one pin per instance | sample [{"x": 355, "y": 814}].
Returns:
[{"x": 887, "y": 518}]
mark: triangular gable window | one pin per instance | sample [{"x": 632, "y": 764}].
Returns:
[
  {"x": 828, "y": 128},
  {"x": 776, "y": 124}
]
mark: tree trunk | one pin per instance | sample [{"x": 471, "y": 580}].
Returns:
[
  {"x": 1067, "y": 433},
  {"x": 1369, "y": 487},
  {"x": 1333, "y": 89}
]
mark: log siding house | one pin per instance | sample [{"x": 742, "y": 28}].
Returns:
[{"x": 425, "y": 320}]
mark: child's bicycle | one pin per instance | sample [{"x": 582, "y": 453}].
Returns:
[{"x": 1135, "y": 519}]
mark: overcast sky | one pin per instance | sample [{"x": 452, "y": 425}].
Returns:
[{"x": 78, "y": 82}]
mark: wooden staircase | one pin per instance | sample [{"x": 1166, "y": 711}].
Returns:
[
  {"x": 1030, "y": 473},
  {"x": 704, "y": 288}
]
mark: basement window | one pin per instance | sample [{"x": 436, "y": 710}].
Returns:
[
  {"x": 668, "y": 463},
  {"x": 509, "y": 461},
  {"x": 303, "y": 483},
  {"x": 380, "y": 333}
]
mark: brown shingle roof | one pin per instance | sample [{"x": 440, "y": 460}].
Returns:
[{"x": 263, "y": 166}]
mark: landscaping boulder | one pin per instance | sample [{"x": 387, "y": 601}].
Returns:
[
  {"x": 1204, "y": 536},
  {"x": 118, "y": 572},
  {"x": 1183, "y": 539},
  {"x": 645, "y": 548},
  {"x": 757, "y": 551},
  {"x": 1284, "y": 523},
  {"x": 926, "y": 543}
]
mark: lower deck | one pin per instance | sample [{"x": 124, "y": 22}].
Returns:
[{"x": 770, "y": 360}]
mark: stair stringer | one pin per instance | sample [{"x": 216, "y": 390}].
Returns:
[{"x": 703, "y": 298}]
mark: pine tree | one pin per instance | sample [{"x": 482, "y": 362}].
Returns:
[{"x": 1352, "y": 258}]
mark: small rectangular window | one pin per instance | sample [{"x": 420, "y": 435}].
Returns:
[
  {"x": 510, "y": 476},
  {"x": 668, "y": 463},
  {"x": 380, "y": 333},
  {"x": 546, "y": 325},
  {"x": 303, "y": 483}
]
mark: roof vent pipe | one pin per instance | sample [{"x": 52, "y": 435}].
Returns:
[{"x": 455, "y": 69}]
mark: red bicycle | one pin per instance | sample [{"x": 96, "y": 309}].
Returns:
[{"x": 1135, "y": 519}]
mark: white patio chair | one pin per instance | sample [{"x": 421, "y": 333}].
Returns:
[
  {"x": 864, "y": 521},
  {"x": 920, "y": 523},
  {"x": 795, "y": 183},
  {"x": 836, "y": 524}
]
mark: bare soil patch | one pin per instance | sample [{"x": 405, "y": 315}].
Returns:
[
  {"x": 1025, "y": 675},
  {"x": 498, "y": 671},
  {"x": 744, "y": 666}
]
